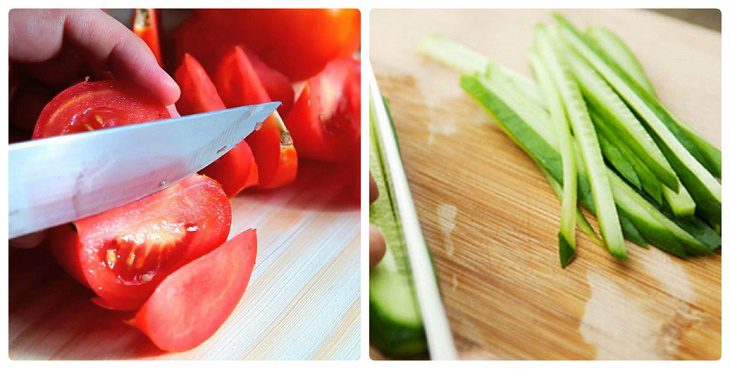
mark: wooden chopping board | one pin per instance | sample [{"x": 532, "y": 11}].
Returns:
[
  {"x": 303, "y": 300},
  {"x": 491, "y": 220}
]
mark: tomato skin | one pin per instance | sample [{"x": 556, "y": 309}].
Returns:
[
  {"x": 325, "y": 120},
  {"x": 236, "y": 169},
  {"x": 297, "y": 42},
  {"x": 146, "y": 25},
  {"x": 208, "y": 45},
  {"x": 163, "y": 231},
  {"x": 116, "y": 103},
  {"x": 191, "y": 304},
  {"x": 274, "y": 152}
]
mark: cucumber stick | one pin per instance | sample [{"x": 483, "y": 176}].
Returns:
[
  {"x": 612, "y": 46},
  {"x": 600, "y": 95},
  {"x": 587, "y": 140},
  {"x": 566, "y": 236},
  {"x": 396, "y": 326},
  {"x": 700, "y": 183}
]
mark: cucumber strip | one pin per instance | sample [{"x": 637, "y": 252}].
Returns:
[
  {"x": 704, "y": 188},
  {"x": 589, "y": 149},
  {"x": 467, "y": 61},
  {"x": 396, "y": 326},
  {"x": 631, "y": 200},
  {"x": 680, "y": 202},
  {"x": 617, "y": 160},
  {"x": 630, "y": 231},
  {"x": 615, "y": 113},
  {"x": 612, "y": 46},
  {"x": 566, "y": 236},
  {"x": 581, "y": 220},
  {"x": 501, "y": 76}
]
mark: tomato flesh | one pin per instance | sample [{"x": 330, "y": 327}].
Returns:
[
  {"x": 124, "y": 253},
  {"x": 193, "y": 302},
  {"x": 96, "y": 105},
  {"x": 325, "y": 120},
  {"x": 236, "y": 169},
  {"x": 272, "y": 146}
]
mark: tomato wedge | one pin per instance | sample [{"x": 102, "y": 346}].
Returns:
[
  {"x": 297, "y": 42},
  {"x": 325, "y": 120},
  {"x": 124, "y": 253},
  {"x": 87, "y": 106},
  {"x": 194, "y": 301},
  {"x": 208, "y": 45},
  {"x": 236, "y": 170},
  {"x": 272, "y": 146},
  {"x": 146, "y": 25}
]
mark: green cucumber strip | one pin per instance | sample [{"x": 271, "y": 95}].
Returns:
[
  {"x": 630, "y": 199},
  {"x": 680, "y": 202},
  {"x": 581, "y": 221},
  {"x": 611, "y": 46},
  {"x": 631, "y": 232},
  {"x": 467, "y": 61},
  {"x": 452, "y": 54},
  {"x": 396, "y": 325},
  {"x": 526, "y": 88},
  {"x": 618, "y": 116},
  {"x": 617, "y": 160},
  {"x": 566, "y": 236},
  {"x": 589, "y": 149},
  {"x": 704, "y": 188}
]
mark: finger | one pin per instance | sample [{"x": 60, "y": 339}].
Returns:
[
  {"x": 377, "y": 246},
  {"x": 62, "y": 70},
  {"x": 373, "y": 189},
  {"x": 28, "y": 241}
]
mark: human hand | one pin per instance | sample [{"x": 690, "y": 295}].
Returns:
[
  {"x": 377, "y": 242},
  {"x": 51, "y": 49}
]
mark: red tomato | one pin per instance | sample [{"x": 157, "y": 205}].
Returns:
[
  {"x": 325, "y": 120},
  {"x": 297, "y": 42},
  {"x": 194, "y": 301},
  {"x": 87, "y": 106},
  {"x": 208, "y": 45},
  {"x": 124, "y": 253},
  {"x": 145, "y": 24},
  {"x": 238, "y": 85},
  {"x": 235, "y": 170}
]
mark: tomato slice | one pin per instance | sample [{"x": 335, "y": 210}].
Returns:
[
  {"x": 87, "y": 106},
  {"x": 194, "y": 301},
  {"x": 236, "y": 169},
  {"x": 272, "y": 146},
  {"x": 124, "y": 253},
  {"x": 297, "y": 42},
  {"x": 208, "y": 45},
  {"x": 145, "y": 24},
  {"x": 325, "y": 120}
]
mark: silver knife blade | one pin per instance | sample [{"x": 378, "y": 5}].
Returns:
[
  {"x": 438, "y": 333},
  {"x": 61, "y": 179}
]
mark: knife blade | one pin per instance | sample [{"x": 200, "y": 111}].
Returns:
[
  {"x": 60, "y": 179},
  {"x": 438, "y": 333}
]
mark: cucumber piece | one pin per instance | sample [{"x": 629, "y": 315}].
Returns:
[
  {"x": 617, "y": 160},
  {"x": 701, "y": 184},
  {"x": 611, "y": 46},
  {"x": 396, "y": 326},
  {"x": 618, "y": 116},
  {"x": 541, "y": 63},
  {"x": 585, "y": 135}
]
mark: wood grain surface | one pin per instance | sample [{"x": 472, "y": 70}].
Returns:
[
  {"x": 491, "y": 219},
  {"x": 303, "y": 300}
]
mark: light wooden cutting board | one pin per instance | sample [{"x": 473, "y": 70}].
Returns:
[
  {"x": 491, "y": 219},
  {"x": 302, "y": 301}
]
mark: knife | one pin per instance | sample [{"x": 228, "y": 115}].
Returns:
[
  {"x": 438, "y": 334},
  {"x": 60, "y": 179}
]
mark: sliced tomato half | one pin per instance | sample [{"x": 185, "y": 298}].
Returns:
[
  {"x": 194, "y": 301},
  {"x": 236, "y": 170},
  {"x": 124, "y": 253},
  {"x": 272, "y": 146},
  {"x": 325, "y": 120},
  {"x": 87, "y": 106}
]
